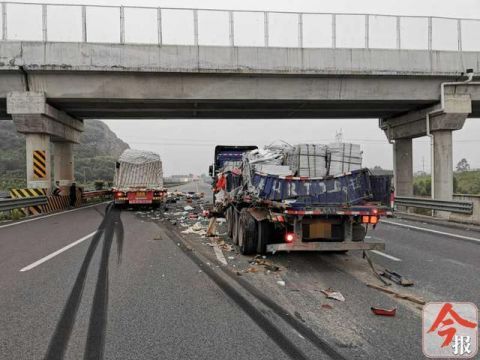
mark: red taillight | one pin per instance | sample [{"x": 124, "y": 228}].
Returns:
[
  {"x": 119, "y": 194},
  {"x": 370, "y": 219},
  {"x": 289, "y": 237}
]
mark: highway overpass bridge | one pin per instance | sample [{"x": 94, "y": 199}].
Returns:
[{"x": 49, "y": 84}]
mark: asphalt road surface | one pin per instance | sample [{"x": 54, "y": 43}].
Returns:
[{"x": 99, "y": 283}]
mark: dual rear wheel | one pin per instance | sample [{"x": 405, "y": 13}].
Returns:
[{"x": 246, "y": 232}]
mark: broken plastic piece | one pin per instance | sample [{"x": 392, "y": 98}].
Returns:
[
  {"x": 332, "y": 294},
  {"x": 383, "y": 312},
  {"x": 281, "y": 282}
]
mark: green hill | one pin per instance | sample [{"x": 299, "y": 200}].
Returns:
[{"x": 95, "y": 156}]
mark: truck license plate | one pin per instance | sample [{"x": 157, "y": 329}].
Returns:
[
  {"x": 140, "y": 201},
  {"x": 141, "y": 194}
]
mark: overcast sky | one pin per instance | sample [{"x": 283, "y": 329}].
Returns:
[{"x": 186, "y": 146}]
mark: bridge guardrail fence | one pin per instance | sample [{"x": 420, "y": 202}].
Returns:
[
  {"x": 460, "y": 207},
  {"x": 220, "y": 27}
]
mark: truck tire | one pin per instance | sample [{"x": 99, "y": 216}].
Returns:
[
  {"x": 228, "y": 218},
  {"x": 358, "y": 232},
  {"x": 248, "y": 237},
  {"x": 235, "y": 226},
  {"x": 265, "y": 230}
]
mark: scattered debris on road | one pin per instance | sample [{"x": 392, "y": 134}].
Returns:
[
  {"x": 332, "y": 294},
  {"x": 281, "y": 282},
  {"x": 212, "y": 227},
  {"x": 396, "y": 278},
  {"x": 261, "y": 260},
  {"x": 375, "y": 272},
  {"x": 384, "y": 312},
  {"x": 408, "y": 297},
  {"x": 327, "y": 306}
]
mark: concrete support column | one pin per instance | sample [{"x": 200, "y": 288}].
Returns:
[
  {"x": 38, "y": 161},
  {"x": 63, "y": 163},
  {"x": 403, "y": 167},
  {"x": 442, "y": 165}
]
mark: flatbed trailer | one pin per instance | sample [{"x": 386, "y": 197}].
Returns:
[{"x": 308, "y": 214}]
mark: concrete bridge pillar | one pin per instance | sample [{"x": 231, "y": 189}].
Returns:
[
  {"x": 38, "y": 160},
  {"x": 443, "y": 165},
  {"x": 63, "y": 163},
  {"x": 442, "y": 121},
  {"x": 403, "y": 167},
  {"x": 42, "y": 123}
]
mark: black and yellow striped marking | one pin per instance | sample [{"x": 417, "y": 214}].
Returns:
[
  {"x": 24, "y": 193},
  {"x": 39, "y": 164}
]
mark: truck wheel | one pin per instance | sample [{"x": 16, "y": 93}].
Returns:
[
  {"x": 358, "y": 232},
  {"x": 235, "y": 226},
  {"x": 264, "y": 232},
  {"x": 228, "y": 218},
  {"x": 248, "y": 237}
]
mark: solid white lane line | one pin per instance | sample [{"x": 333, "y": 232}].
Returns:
[
  {"x": 431, "y": 231},
  {"x": 49, "y": 215},
  {"x": 386, "y": 255},
  {"x": 219, "y": 254},
  {"x": 58, "y": 252}
]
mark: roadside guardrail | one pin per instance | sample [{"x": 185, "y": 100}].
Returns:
[
  {"x": 461, "y": 207},
  {"x": 96, "y": 194},
  {"x": 11, "y": 204}
]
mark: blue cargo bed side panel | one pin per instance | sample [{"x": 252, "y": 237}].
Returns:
[{"x": 344, "y": 190}]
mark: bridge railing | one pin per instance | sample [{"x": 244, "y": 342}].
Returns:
[{"x": 185, "y": 26}]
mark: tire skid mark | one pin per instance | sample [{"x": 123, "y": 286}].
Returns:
[
  {"x": 265, "y": 324},
  {"x": 111, "y": 226}
]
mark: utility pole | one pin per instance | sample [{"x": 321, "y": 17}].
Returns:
[{"x": 339, "y": 136}]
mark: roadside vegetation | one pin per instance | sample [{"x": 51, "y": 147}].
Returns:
[{"x": 465, "y": 181}]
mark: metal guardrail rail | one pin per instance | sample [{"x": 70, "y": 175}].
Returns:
[
  {"x": 462, "y": 207},
  {"x": 96, "y": 193},
  {"x": 11, "y": 204}
]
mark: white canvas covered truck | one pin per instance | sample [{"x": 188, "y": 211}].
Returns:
[{"x": 138, "y": 179}]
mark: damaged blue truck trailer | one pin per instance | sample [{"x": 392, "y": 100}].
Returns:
[{"x": 269, "y": 213}]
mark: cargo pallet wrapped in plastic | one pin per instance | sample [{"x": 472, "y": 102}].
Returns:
[
  {"x": 308, "y": 160},
  {"x": 344, "y": 157}
]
